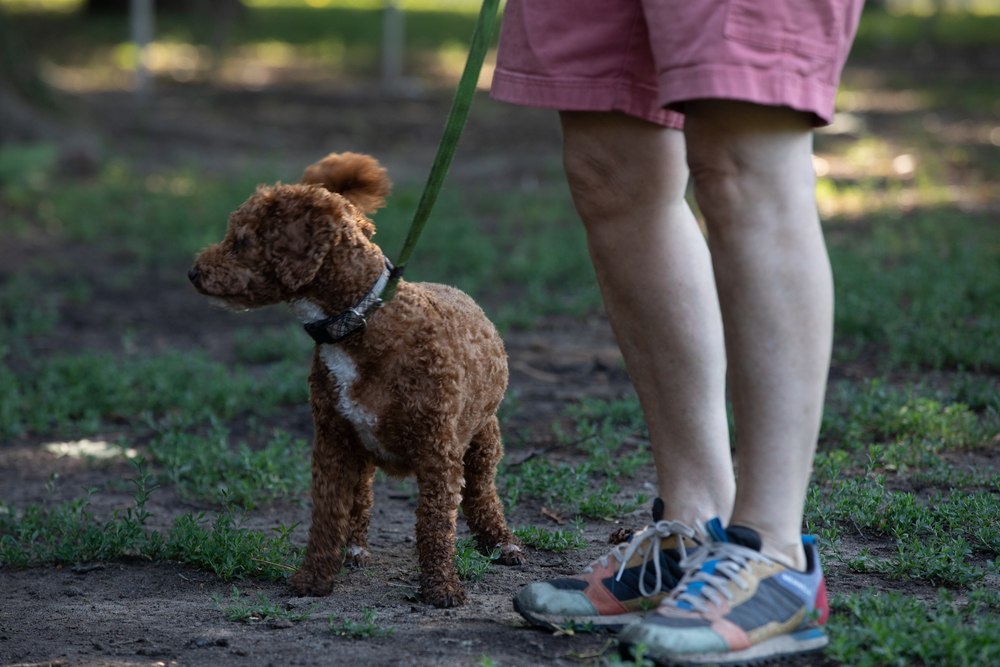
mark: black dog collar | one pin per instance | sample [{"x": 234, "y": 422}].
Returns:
[{"x": 332, "y": 330}]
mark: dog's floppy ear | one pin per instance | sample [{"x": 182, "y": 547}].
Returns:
[
  {"x": 358, "y": 178},
  {"x": 304, "y": 229}
]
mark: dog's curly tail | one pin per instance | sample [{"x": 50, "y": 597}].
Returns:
[{"x": 358, "y": 178}]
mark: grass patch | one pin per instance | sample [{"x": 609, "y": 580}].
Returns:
[
  {"x": 939, "y": 539},
  {"x": 559, "y": 541},
  {"x": 254, "y": 346},
  {"x": 26, "y": 311},
  {"x": 366, "y": 628},
  {"x": 472, "y": 565},
  {"x": 206, "y": 467},
  {"x": 246, "y": 609},
  {"x": 878, "y": 630},
  {"x": 76, "y": 394},
  {"x": 600, "y": 430},
  {"x": 71, "y": 533},
  {"x": 874, "y": 412},
  {"x": 924, "y": 288}
]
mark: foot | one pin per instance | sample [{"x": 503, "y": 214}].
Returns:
[
  {"x": 620, "y": 587},
  {"x": 443, "y": 595},
  {"x": 357, "y": 556},
  {"x": 735, "y": 606},
  {"x": 308, "y": 582},
  {"x": 511, "y": 554}
]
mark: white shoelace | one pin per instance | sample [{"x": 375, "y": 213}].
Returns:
[
  {"x": 654, "y": 534},
  {"x": 732, "y": 558}
]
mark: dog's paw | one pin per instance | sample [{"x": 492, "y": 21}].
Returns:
[
  {"x": 305, "y": 582},
  {"x": 357, "y": 557},
  {"x": 446, "y": 595},
  {"x": 511, "y": 554}
]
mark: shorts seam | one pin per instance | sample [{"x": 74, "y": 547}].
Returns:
[
  {"x": 565, "y": 82},
  {"x": 799, "y": 92}
]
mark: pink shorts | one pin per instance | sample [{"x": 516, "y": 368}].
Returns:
[{"x": 647, "y": 57}]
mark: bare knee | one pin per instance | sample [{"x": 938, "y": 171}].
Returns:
[
  {"x": 751, "y": 165},
  {"x": 615, "y": 163}
]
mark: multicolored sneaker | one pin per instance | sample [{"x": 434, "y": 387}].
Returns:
[
  {"x": 735, "y": 606},
  {"x": 618, "y": 588}
]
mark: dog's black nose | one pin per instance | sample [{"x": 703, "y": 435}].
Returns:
[{"x": 193, "y": 274}]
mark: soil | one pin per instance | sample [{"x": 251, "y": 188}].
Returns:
[{"x": 133, "y": 612}]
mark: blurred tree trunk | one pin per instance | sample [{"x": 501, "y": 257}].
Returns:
[
  {"x": 24, "y": 97},
  {"x": 29, "y": 111}
]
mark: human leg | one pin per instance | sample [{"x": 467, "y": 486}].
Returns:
[
  {"x": 753, "y": 178},
  {"x": 756, "y": 591},
  {"x": 628, "y": 179}
]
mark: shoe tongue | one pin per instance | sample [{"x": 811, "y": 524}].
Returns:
[
  {"x": 745, "y": 537},
  {"x": 657, "y": 510}
]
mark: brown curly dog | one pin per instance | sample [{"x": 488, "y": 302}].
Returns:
[{"x": 412, "y": 389}]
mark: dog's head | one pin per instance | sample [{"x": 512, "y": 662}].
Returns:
[{"x": 278, "y": 241}]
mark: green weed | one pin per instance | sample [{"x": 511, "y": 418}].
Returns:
[
  {"x": 470, "y": 563},
  {"x": 205, "y": 467},
  {"x": 601, "y": 431},
  {"x": 873, "y": 629},
  {"x": 924, "y": 288},
  {"x": 558, "y": 540},
  {"x": 366, "y": 628},
  {"x": 71, "y": 533},
  {"x": 73, "y": 394},
  {"x": 877, "y": 413},
  {"x": 245, "y": 609},
  {"x": 230, "y": 550},
  {"x": 26, "y": 310}
]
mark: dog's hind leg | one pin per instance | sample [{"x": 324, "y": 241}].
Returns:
[
  {"x": 482, "y": 508},
  {"x": 336, "y": 468},
  {"x": 440, "y": 482},
  {"x": 357, "y": 541}
]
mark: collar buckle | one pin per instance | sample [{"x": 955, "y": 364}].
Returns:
[{"x": 332, "y": 330}]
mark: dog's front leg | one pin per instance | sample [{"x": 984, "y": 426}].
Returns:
[
  {"x": 336, "y": 470},
  {"x": 440, "y": 484},
  {"x": 357, "y": 540}
]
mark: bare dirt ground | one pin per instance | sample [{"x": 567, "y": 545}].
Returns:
[{"x": 140, "y": 613}]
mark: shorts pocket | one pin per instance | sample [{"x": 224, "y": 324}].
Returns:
[{"x": 811, "y": 28}]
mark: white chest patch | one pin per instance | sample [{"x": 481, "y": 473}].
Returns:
[
  {"x": 344, "y": 374},
  {"x": 222, "y": 304},
  {"x": 306, "y": 311}
]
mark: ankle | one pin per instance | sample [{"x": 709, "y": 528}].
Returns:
[
  {"x": 789, "y": 552},
  {"x": 792, "y": 555}
]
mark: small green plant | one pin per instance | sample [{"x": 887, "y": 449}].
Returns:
[
  {"x": 572, "y": 627},
  {"x": 366, "y": 628},
  {"x": 70, "y": 533},
  {"x": 246, "y": 609},
  {"x": 73, "y": 394},
  {"x": 470, "y": 563},
  {"x": 873, "y": 629},
  {"x": 638, "y": 655},
  {"x": 558, "y": 540},
  {"x": 230, "y": 550},
  {"x": 204, "y": 467}
]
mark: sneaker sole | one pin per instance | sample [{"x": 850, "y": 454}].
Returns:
[
  {"x": 599, "y": 623},
  {"x": 802, "y": 642}
]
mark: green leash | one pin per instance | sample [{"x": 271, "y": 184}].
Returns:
[{"x": 452, "y": 133}]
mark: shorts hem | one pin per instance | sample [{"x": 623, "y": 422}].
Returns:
[
  {"x": 564, "y": 94},
  {"x": 771, "y": 88}
]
